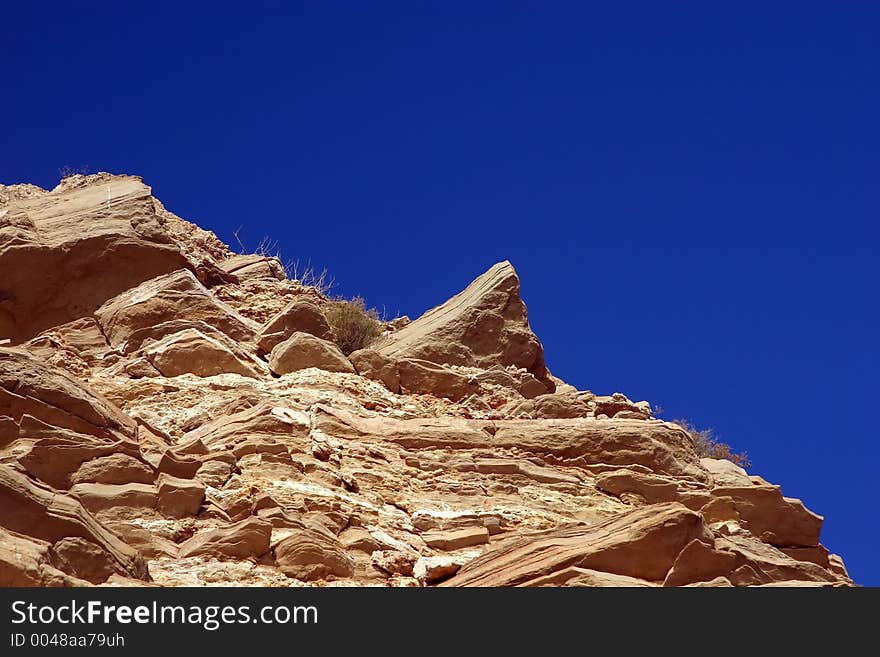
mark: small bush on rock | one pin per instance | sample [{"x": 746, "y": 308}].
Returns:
[
  {"x": 707, "y": 445},
  {"x": 354, "y": 326}
]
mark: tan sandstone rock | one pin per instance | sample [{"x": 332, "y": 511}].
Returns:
[
  {"x": 371, "y": 364},
  {"x": 303, "y": 350},
  {"x": 39, "y": 512},
  {"x": 311, "y": 554},
  {"x": 254, "y": 266},
  {"x": 643, "y": 544},
  {"x": 192, "y": 352},
  {"x": 138, "y": 419},
  {"x": 67, "y": 251},
  {"x": 484, "y": 325},
  {"x": 117, "y": 468},
  {"x": 246, "y": 539},
  {"x": 178, "y": 295},
  {"x": 300, "y": 315},
  {"x": 426, "y": 378}
]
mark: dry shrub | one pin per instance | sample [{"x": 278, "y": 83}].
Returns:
[
  {"x": 354, "y": 326},
  {"x": 707, "y": 445}
]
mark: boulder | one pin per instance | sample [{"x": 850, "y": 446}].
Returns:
[
  {"x": 142, "y": 338},
  {"x": 359, "y": 539},
  {"x": 619, "y": 406},
  {"x": 764, "y": 564},
  {"x": 8, "y": 431},
  {"x": 44, "y": 514},
  {"x": 643, "y": 544},
  {"x": 26, "y": 561},
  {"x": 303, "y": 350},
  {"x": 254, "y": 267},
  {"x": 63, "y": 253},
  {"x": 311, "y": 554},
  {"x": 81, "y": 337},
  {"x": 700, "y": 561},
  {"x": 178, "y": 295},
  {"x": 214, "y": 473},
  {"x": 56, "y": 454},
  {"x": 300, "y": 315},
  {"x": 53, "y": 396},
  {"x": 178, "y": 498},
  {"x": 246, "y": 539},
  {"x": 372, "y": 365},
  {"x": 225, "y": 432},
  {"x": 178, "y": 465},
  {"x": 431, "y": 570},
  {"x": 780, "y": 521},
  {"x": 485, "y": 325},
  {"x": 147, "y": 542},
  {"x": 725, "y": 473},
  {"x": 423, "y": 377},
  {"x": 395, "y": 562},
  {"x": 83, "y": 559},
  {"x": 192, "y": 352},
  {"x": 117, "y": 468}
]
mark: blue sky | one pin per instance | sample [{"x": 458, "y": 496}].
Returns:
[{"x": 688, "y": 190}]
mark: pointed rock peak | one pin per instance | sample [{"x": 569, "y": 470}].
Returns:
[{"x": 484, "y": 325}]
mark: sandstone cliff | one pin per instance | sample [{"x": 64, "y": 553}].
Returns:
[{"x": 174, "y": 413}]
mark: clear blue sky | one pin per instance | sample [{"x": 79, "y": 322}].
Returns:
[{"x": 688, "y": 190}]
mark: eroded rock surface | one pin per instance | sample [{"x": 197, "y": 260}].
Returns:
[{"x": 174, "y": 413}]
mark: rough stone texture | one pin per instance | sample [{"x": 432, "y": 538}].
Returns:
[
  {"x": 456, "y": 539},
  {"x": 178, "y": 498},
  {"x": 192, "y": 352},
  {"x": 310, "y": 554},
  {"x": 41, "y": 513},
  {"x": 424, "y": 378},
  {"x": 371, "y": 364},
  {"x": 48, "y": 242},
  {"x": 642, "y": 543},
  {"x": 248, "y": 538},
  {"x": 83, "y": 559},
  {"x": 99, "y": 497},
  {"x": 557, "y": 406},
  {"x": 778, "y": 520},
  {"x": 115, "y": 468},
  {"x": 25, "y": 561},
  {"x": 300, "y": 315},
  {"x": 484, "y": 325},
  {"x": 575, "y": 576},
  {"x": 725, "y": 473},
  {"x": 140, "y": 430},
  {"x": 178, "y": 295},
  {"x": 254, "y": 266},
  {"x": 302, "y": 350},
  {"x": 651, "y": 488}
]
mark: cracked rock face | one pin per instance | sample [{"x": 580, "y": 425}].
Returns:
[{"x": 173, "y": 413}]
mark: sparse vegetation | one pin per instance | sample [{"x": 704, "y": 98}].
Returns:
[
  {"x": 707, "y": 445},
  {"x": 310, "y": 277},
  {"x": 67, "y": 171},
  {"x": 306, "y": 275},
  {"x": 354, "y": 326}
]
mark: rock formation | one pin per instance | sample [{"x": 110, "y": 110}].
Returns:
[{"x": 174, "y": 413}]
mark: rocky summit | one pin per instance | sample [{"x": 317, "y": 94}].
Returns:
[{"x": 176, "y": 414}]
